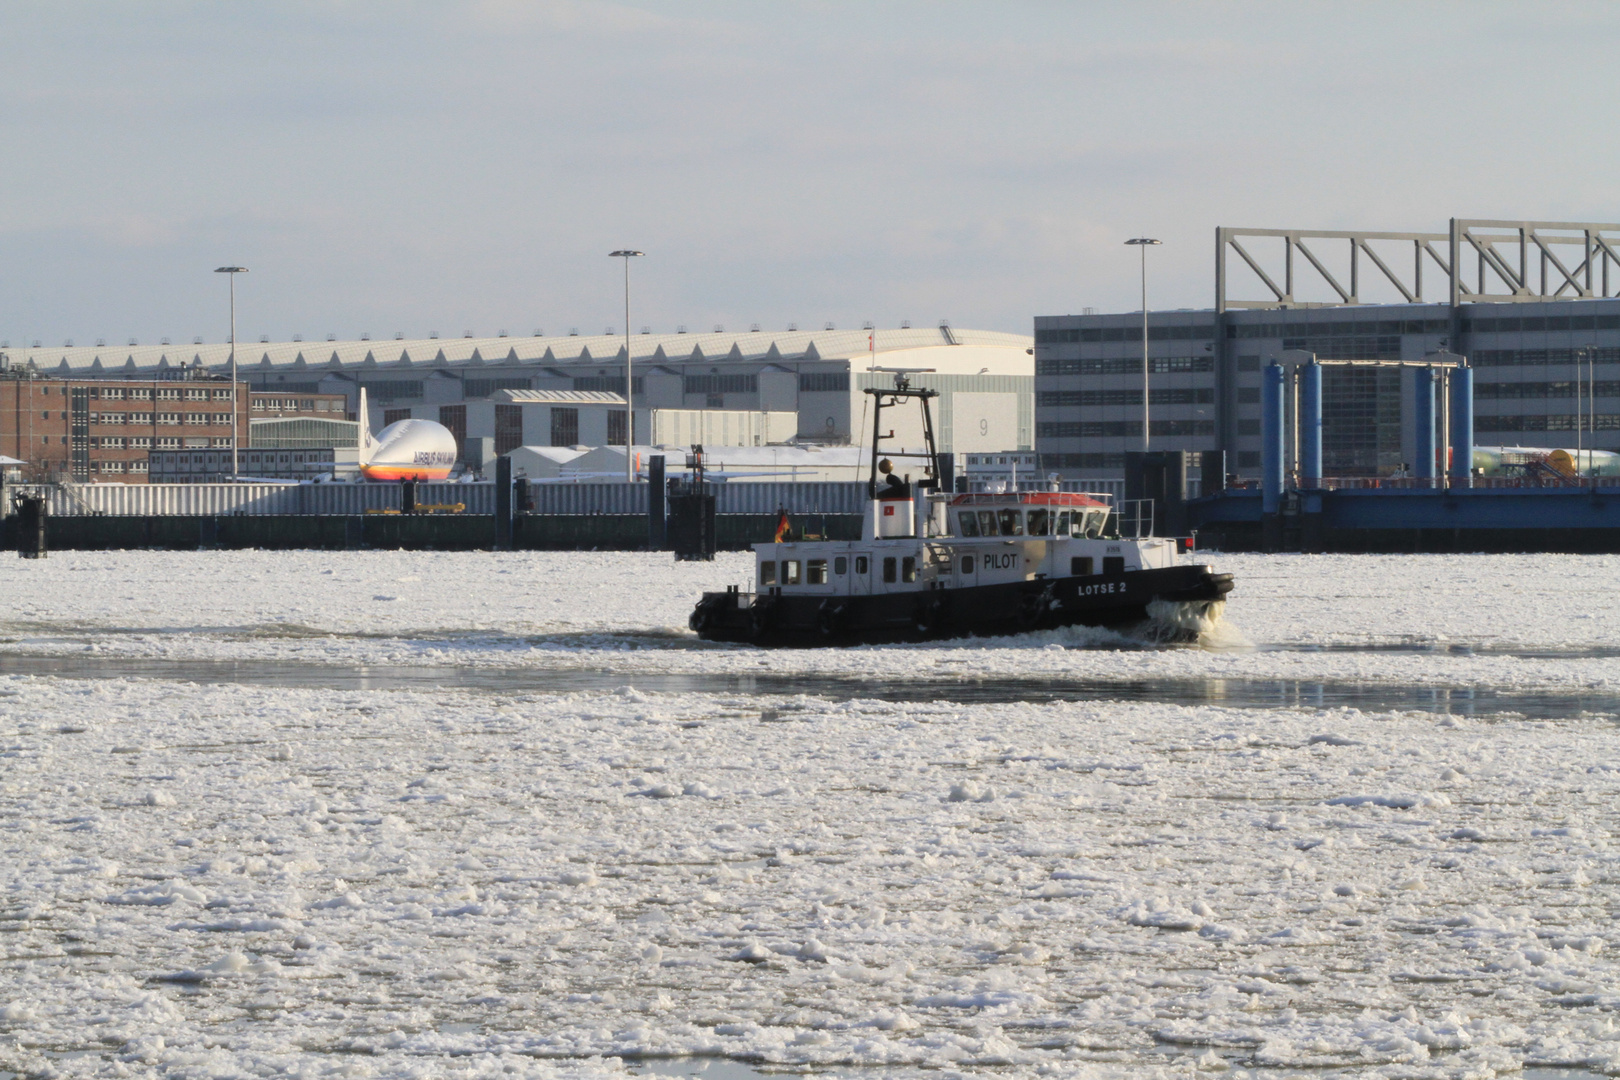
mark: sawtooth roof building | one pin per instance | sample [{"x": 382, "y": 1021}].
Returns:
[{"x": 986, "y": 378}]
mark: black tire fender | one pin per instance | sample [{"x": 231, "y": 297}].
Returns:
[
  {"x": 761, "y": 616},
  {"x": 705, "y": 615},
  {"x": 830, "y": 617},
  {"x": 930, "y": 615},
  {"x": 1034, "y": 607}
]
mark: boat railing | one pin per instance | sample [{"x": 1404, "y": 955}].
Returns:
[
  {"x": 1134, "y": 519},
  {"x": 1386, "y": 483}
]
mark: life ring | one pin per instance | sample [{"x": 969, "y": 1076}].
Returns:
[
  {"x": 830, "y": 618},
  {"x": 930, "y": 616}
]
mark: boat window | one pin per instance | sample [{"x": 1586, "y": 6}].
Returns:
[
  {"x": 888, "y": 568},
  {"x": 767, "y": 573},
  {"x": 970, "y": 523},
  {"x": 1012, "y": 523},
  {"x": 1095, "y": 520},
  {"x": 908, "y": 568},
  {"x": 860, "y": 564},
  {"x": 987, "y": 523},
  {"x": 790, "y": 571},
  {"x": 840, "y": 565},
  {"x": 967, "y": 564},
  {"x": 1065, "y": 522},
  {"x": 1080, "y": 567},
  {"x": 815, "y": 572},
  {"x": 1039, "y": 522}
]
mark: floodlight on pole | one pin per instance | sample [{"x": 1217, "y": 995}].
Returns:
[
  {"x": 1143, "y": 243},
  {"x": 236, "y": 434},
  {"x": 629, "y": 385}
]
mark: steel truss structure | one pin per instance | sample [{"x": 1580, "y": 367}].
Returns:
[{"x": 1480, "y": 260}]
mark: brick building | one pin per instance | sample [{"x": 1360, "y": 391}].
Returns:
[{"x": 101, "y": 430}]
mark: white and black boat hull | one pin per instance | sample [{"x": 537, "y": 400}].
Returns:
[{"x": 1171, "y": 601}]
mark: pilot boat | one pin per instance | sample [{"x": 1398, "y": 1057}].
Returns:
[{"x": 932, "y": 564}]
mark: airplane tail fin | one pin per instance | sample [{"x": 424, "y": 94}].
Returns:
[{"x": 365, "y": 441}]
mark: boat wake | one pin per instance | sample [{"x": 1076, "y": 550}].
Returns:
[{"x": 1189, "y": 622}]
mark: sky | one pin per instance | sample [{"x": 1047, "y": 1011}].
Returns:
[{"x": 448, "y": 167}]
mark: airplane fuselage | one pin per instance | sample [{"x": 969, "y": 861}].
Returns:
[{"x": 411, "y": 450}]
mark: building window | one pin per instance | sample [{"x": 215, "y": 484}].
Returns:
[
  {"x": 197, "y": 417},
  {"x": 454, "y": 417},
  {"x": 168, "y": 418},
  {"x": 482, "y": 388},
  {"x": 508, "y": 428},
  {"x": 1248, "y": 363},
  {"x": 137, "y": 466},
  {"x": 140, "y": 442},
  {"x": 616, "y": 427},
  {"x": 823, "y": 382},
  {"x": 223, "y": 395},
  {"x": 394, "y": 416},
  {"x": 1163, "y": 395},
  {"x": 1248, "y": 459},
  {"x": 1248, "y": 395},
  {"x": 564, "y": 427},
  {"x": 1248, "y": 427},
  {"x": 395, "y": 390},
  {"x": 1126, "y": 365},
  {"x": 1361, "y": 421},
  {"x": 721, "y": 384}
]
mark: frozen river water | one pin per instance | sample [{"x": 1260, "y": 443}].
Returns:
[{"x": 405, "y": 814}]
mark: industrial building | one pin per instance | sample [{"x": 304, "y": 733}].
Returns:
[
  {"x": 1534, "y": 307},
  {"x": 986, "y": 379}
]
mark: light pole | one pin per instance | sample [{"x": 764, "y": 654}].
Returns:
[
  {"x": 629, "y": 412},
  {"x": 1143, "y": 243},
  {"x": 236, "y": 434},
  {"x": 1585, "y": 412}
]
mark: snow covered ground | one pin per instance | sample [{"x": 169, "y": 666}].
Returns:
[{"x": 242, "y": 880}]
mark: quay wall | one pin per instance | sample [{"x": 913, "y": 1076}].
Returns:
[
  {"x": 1562, "y": 519},
  {"x": 421, "y": 532}
]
